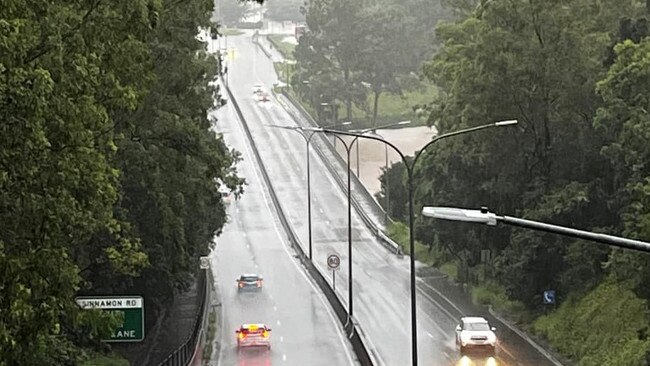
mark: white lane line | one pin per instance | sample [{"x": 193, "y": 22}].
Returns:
[
  {"x": 429, "y": 334},
  {"x": 281, "y": 339},
  {"x": 278, "y": 322},
  {"x": 284, "y": 357},
  {"x": 419, "y": 280},
  {"x": 271, "y": 210},
  {"x": 504, "y": 349},
  {"x": 321, "y": 210},
  {"x": 437, "y": 304},
  {"x": 275, "y": 308}
]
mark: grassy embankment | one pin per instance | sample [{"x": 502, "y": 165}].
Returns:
[
  {"x": 105, "y": 360},
  {"x": 230, "y": 31}
]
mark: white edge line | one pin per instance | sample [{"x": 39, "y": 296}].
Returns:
[{"x": 284, "y": 244}]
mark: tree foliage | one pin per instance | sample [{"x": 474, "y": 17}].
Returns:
[
  {"x": 575, "y": 75},
  {"x": 108, "y": 169},
  {"x": 353, "y": 49}
]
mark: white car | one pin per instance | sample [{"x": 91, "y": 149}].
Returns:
[{"x": 475, "y": 334}]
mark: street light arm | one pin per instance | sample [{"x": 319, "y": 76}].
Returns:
[
  {"x": 483, "y": 216},
  {"x": 369, "y": 137},
  {"x": 300, "y": 130},
  {"x": 459, "y": 132},
  {"x": 401, "y": 123},
  {"x": 575, "y": 233}
]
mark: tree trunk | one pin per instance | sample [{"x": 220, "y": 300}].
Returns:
[
  {"x": 375, "y": 108},
  {"x": 348, "y": 96}
]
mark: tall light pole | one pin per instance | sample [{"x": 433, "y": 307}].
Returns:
[
  {"x": 348, "y": 149},
  {"x": 483, "y": 216},
  {"x": 409, "y": 169},
  {"x": 306, "y": 135}
]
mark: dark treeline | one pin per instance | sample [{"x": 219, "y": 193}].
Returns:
[{"x": 109, "y": 172}]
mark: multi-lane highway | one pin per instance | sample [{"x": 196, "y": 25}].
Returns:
[
  {"x": 304, "y": 328},
  {"x": 252, "y": 242}
]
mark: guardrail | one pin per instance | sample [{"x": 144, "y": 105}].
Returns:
[
  {"x": 363, "y": 355},
  {"x": 370, "y": 223},
  {"x": 187, "y": 353}
]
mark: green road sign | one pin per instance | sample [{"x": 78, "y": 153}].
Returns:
[{"x": 130, "y": 309}]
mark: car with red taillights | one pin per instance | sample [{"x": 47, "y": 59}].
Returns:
[
  {"x": 249, "y": 282},
  {"x": 253, "y": 335}
]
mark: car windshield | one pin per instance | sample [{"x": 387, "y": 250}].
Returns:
[
  {"x": 477, "y": 326},
  {"x": 249, "y": 278}
]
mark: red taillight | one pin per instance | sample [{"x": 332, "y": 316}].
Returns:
[
  {"x": 259, "y": 283},
  {"x": 241, "y": 284}
]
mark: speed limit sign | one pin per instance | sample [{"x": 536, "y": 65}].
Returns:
[{"x": 333, "y": 261}]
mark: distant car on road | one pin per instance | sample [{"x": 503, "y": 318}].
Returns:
[
  {"x": 263, "y": 97},
  {"x": 258, "y": 89},
  {"x": 225, "y": 194},
  {"x": 253, "y": 335},
  {"x": 249, "y": 281},
  {"x": 475, "y": 334}
]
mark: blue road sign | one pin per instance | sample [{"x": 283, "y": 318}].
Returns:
[{"x": 549, "y": 297}]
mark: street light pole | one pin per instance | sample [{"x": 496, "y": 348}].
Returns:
[
  {"x": 483, "y": 216},
  {"x": 386, "y": 182},
  {"x": 307, "y": 139},
  {"x": 409, "y": 169}
]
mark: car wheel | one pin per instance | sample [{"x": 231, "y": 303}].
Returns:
[
  {"x": 268, "y": 347},
  {"x": 462, "y": 350}
]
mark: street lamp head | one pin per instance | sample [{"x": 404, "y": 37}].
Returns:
[
  {"x": 507, "y": 122},
  {"x": 482, "y": 216},
  {"x": 284, "y": 127},
  {"x": 404, "y": 123},
  {"x": 346, "y": 123}
]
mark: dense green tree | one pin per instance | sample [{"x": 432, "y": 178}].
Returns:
[
  {"x": 107, "y": 164},
  {"x": 624, "y": 116},
  {"x": 229, "y": 12},
  {"x": 64, "y": 69},
  {"x": 281, "y": 10},
  {"x": 384, "y": 50},
  {"x": 328, "y": 54},
  {"x": 537, "y": 62}
]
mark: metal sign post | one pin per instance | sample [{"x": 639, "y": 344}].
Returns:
[{"x": 333, "y": 263}]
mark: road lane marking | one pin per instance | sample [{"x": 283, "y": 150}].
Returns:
[
  {"x": 429, "y": 334},
  {"x": 275, "y": 308},
  {"x": 279, "y": 322},
  {"x": 273, "y": 213},
  {"x": 284, "y": 357},
  {"x": 281, "y": 339}
]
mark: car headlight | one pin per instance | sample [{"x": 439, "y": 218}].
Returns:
[{"x": 464, "y": 339}]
